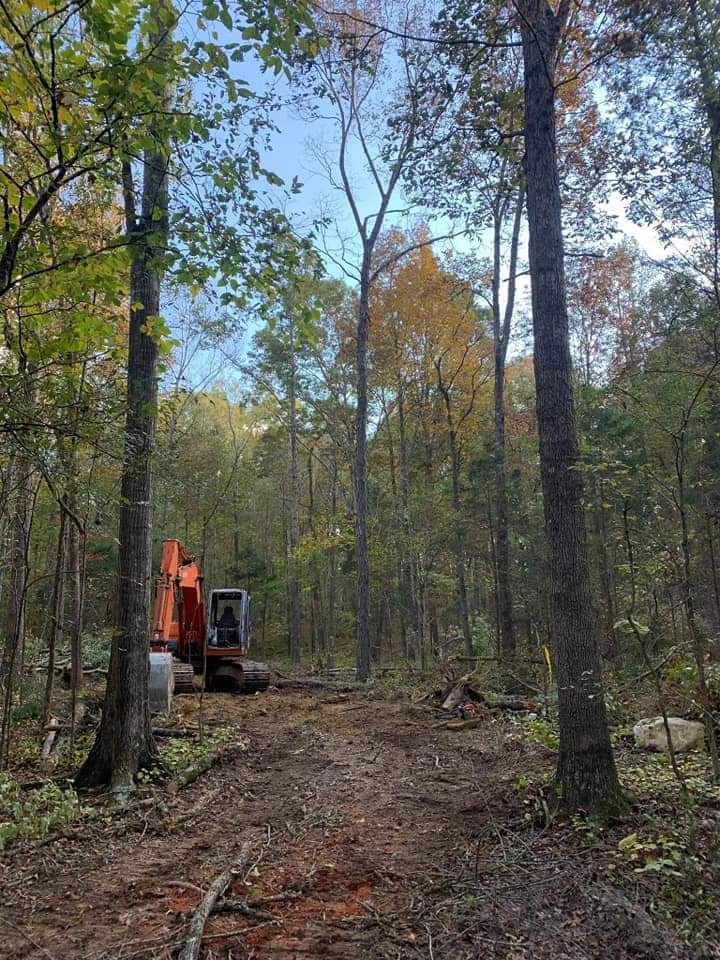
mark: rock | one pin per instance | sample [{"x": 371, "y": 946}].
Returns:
[{"x": 685, "y": 734}]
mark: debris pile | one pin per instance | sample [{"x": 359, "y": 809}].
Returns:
[{"x": 459, "y": 704}]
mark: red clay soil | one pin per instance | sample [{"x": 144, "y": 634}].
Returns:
[{"x": 378, "y": 833}]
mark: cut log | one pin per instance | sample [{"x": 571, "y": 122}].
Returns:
[
  {"x": 191, "y": 949},
  {"x": 458, "y": 694},
  {"x": 53, "y": 728},
  {"x": 461, "y": 693}
]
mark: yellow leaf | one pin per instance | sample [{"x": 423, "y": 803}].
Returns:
[{"x": 627, "y": 842}]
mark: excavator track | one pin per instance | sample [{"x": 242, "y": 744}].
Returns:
[
  {"x": 183, "y": 677},
  {"x": 256, "y": 676},
  {"x": 240, "y": 676}
]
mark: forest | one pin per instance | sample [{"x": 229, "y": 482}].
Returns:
[{"x": 360, "y": 479}]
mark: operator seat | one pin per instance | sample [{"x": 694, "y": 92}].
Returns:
[{"x": 227, "y": 629}]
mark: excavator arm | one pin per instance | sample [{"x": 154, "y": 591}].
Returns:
[{"x": 179, "y": 621}]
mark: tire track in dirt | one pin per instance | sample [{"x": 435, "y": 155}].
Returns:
[{"x": 354, "y": 804}]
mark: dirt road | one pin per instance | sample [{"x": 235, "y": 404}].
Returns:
[{"x": 378, "y": 834}]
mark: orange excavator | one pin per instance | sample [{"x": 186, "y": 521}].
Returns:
[{"x": 211, "y": 641}]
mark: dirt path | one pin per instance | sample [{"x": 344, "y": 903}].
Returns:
[{"x": 389, "y": 837}]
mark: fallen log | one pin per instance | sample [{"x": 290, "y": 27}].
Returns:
[
  {"x": 191, "y": 949},
  {"x": 308, "y": 683},
  {"x": 506, "y": 701},
  {"x": 464, "y": 658},
  {"x": 53, "y": 729},
  {"x": 463, "y": 724},
  {"x": 191, "y": 773},
  {"x": 183, "y": 733}
]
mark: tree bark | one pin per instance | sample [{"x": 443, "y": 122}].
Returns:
[
  {"x": 20, "y": 527},
  {"x": 458, "y": 516},
  {"x": 706, "y": 58},
  {"x": 332, "y": 575},
  {"x": 294, "y": 512},
  {"x": 586, "y": 776},
  {"x": 609, "y": 646},
  {"x": 360, "y": 476},
  {"x": 408, "y": 565},
  {"x": 58, "y": 607},
  {"x": 124, "y": 743},
  {"x": 502, "y": 323}
]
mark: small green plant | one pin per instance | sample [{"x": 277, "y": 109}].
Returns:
[
  {"x": 662, "y": 854},
  {"x": 591, "y": 828},
  {"x": 30, "y": 710},
  {"x": 176, "y": 754},
  {"x": 96, "y": 649},
  {"x": 33, "y": 814},
  {"x": 483, "y": 640},
  {"x": 542, "y": 731}
]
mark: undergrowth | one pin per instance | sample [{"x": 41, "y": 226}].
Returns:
[
  {"x": 34, "y": 814},
  {"x": 177, "y": 754}
]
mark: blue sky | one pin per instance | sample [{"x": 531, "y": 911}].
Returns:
[{"x": 292, "y": 155}]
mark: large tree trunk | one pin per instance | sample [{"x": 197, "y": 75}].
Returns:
[
  {"x": 586, "y": 776},
  {"x": 124, "y": 743},
  {"x": 705, "y": 55},
  {"x": 360, "y": 480}
]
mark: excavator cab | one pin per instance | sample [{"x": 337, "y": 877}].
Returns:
[{"x": 229, "y": 620}]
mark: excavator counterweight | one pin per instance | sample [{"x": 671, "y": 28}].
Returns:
[{"x": 210, "y": 641}]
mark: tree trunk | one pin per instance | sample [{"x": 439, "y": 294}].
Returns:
[
  {"x": 360, "y": 479},
  {"x": 501, "y": 338},
  {"x": 332, "y": 576},
  {"x": 706, "y": 58},
  {"x": 399, "y": 525},
  {"x": 58, "y": 607},
  {"x": 609, "y": 646},
  {"x": 124, "y": 743},
  {"x": 586, "y": 775},
  {"x": 699, "y": 641},
  {"x": 20, "y": 526},
  {"x": 319, "y": 620},
  {"x": 408, "y": 565},
  {"x": 458, "y": 516},
  {"x": 713, "y": 569},
  {"x": 294, "y": 513}
]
